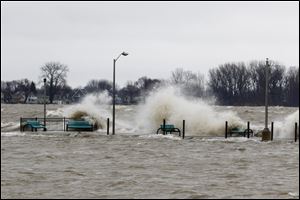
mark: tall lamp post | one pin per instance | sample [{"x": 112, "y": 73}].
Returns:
[
  {"x": 114, "y": 88},
  {"x": 266, "y": 134},
  {"x": 45, "y": 104}
]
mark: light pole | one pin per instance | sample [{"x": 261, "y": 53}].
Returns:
[
  {"x": 114, "y": 88},
  {"x": 45, "y": 104},
  {"x": 266, "y": 134}
]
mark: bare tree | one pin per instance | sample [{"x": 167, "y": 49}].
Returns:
[
  {"x": 24, "y": 86},
  {"x": 292, "y": 86},
  {"x": 56, "y": 74},
  {"x": 230, "y": 83},
  {"x": 191, "y": 84},
  {"x": 177, "y": 76},
  {"x": 98, "y": 86}
]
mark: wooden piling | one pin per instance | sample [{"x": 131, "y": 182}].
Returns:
[
  {"x": 296, "y": 130},
  {"x": 64, "y": 124},
  {"x": 226, "y": 127},
  {"x": 183, "y": 129},
  {"x": 272, "y": 130},
  {"x": 107, "y": 126}
]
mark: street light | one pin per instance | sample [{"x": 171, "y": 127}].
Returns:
[
  {"x": 114, "y": 87},
  {"x": 44, "y": 104},
  {"x": 266, "y": 134}
]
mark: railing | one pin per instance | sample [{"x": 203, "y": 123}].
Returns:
[
  {"x": 272, "y": 131},
  {"x": 52, "y": 124}
]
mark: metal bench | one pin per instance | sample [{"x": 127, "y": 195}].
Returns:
[
  {"x": 79, "y": 125},
  {"x": 168, "y": 128},
  {"x": 34, "y": 124},
  {"x": 240, "y": 132}
]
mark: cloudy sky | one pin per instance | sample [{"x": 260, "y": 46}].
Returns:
[{"x": 159, "y": 37}]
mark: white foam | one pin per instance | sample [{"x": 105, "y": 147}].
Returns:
[
  {"x": 95, "y": 105},
  {"x": 55, "y": 113},
  {"x": 231, "y": 139},
  {"x": 11, "y": 134},
  {"x": 201, "y": 118},
  {"x": 286, "y": 128},
  {"x": 159, "y": 136},
  {"x": 9, "y": 126},
  {"x": 293, "y": 194}
]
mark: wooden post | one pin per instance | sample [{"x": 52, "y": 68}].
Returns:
[
  {"x": 248, "y": 129},
  {"x": 226, "y": 125},
  {"x": 164, "y": 126},
  {"x": 272, "y": 130},
  {"x": 107, "y": 126},
  {"x": 183, "y": 129},
  {"x": 296, "y": 129}
]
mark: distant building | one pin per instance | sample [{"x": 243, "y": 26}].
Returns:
[{"x": 32, "y": 99}]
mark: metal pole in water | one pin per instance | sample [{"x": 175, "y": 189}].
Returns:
[
  {"x": 64, "y": 124},
  {"x": 183, "y": 129},
  {"x": 45, "y": 104},
  {"x": 266, "y": 134},
  {"x": 20, "y": 124},
  {"x": 248, "y": 129},
  {"x": 272, "y": 130},
  {"x": 114, "y": 97},
  {"x": 296, "y": 129},
  {"x": 164, "y": 126},
  {"x": 107, "y": 126},
  {"x": 114, "y": 91},
  {"x": 226, "y": 124}
]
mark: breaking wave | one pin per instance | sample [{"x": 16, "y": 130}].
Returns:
[
  {"x": 93, "y": 108},
  {"x": 201, "y": 118},
  {"x": 286, "y": 128}
]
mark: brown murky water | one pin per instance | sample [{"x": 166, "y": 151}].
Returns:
[{"x": 134, "y": 164}]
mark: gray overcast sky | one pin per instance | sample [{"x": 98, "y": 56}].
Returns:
[{"x": 159, "y": 36}]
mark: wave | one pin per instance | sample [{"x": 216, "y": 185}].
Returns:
[
  {"x": 9, "y": 126},
  {"x": 93, "y": 108},
  {"x": 201, "y": 119},
  {"x": 286, "y": 128}
]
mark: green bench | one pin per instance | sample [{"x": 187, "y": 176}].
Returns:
[
  {"x": 240, "y": 132},
  {"x": 79, "y": 125},
  {"x": 168, "y": 128},
  {"x": 34, "y": 125}
]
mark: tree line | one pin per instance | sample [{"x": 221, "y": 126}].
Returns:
[
  {"x": 230, "y": 83},
  {"x": 240, "y": 84}
]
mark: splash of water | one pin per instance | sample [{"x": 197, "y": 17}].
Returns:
[
  {"x": 93, "y": 108},
  {"x": 286, "y": 128},
  {"x": 201, "y": 118}
]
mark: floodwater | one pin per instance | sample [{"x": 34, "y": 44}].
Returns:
[{"x": 137, "y": 163}]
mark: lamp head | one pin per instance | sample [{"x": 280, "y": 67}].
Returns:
[{"x": 124, "y": 53}]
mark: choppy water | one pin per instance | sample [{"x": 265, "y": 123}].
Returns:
[{"x": 141, "y": 164}]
